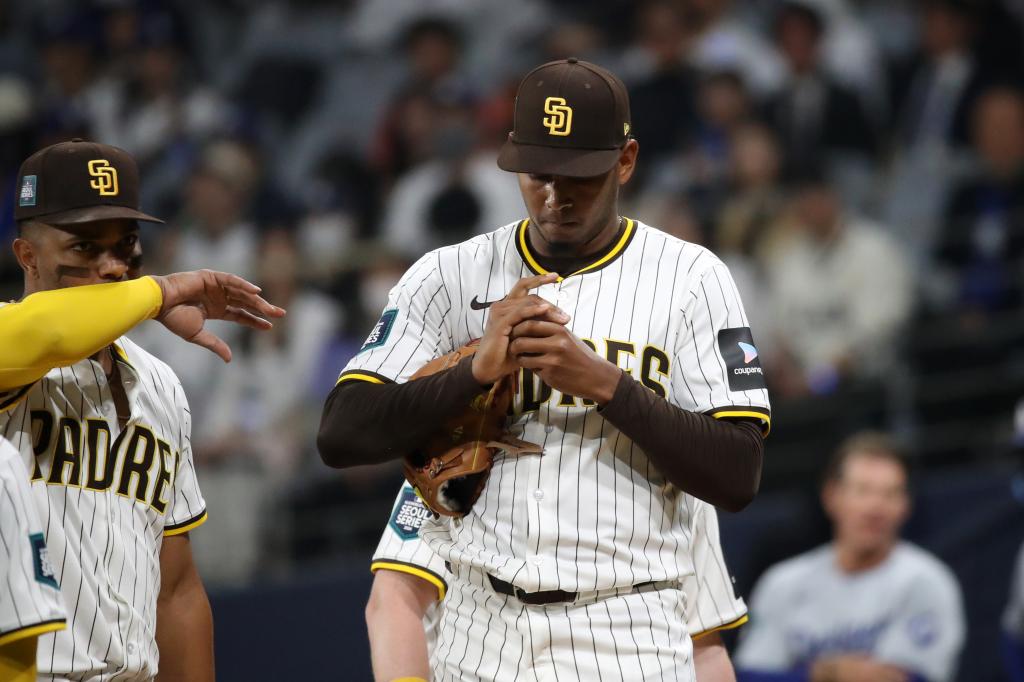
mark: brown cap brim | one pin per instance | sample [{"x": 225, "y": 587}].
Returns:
[
  {"x": 91, "y": 214},
  {"x": 564, "y": 161}
]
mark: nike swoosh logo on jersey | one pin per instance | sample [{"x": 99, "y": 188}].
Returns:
[{"x": 477, "y": 305}]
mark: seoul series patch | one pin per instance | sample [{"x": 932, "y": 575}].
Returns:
[
  {"x": 27, "y": 191},
  {"x": 381, "y": 330},
  {"x": 741, "y": 361},
  {"x": 409, "y": 514},
  {"x": 41, "y": 561}
]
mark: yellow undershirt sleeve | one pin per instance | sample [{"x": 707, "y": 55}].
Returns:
[{"x": 58, "y": 328}]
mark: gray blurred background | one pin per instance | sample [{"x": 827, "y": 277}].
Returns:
[{"x": 859, "y": 164}]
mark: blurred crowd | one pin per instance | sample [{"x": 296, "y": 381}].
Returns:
[{"x": 859, "y": 164}]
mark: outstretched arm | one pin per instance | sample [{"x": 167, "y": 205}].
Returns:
[{"x": 58, "y": 328}]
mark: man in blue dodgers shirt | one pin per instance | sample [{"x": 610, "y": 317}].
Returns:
[{"x": 867, "y": 607}]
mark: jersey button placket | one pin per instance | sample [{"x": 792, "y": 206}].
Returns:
[{"x": 534, "y": 513}]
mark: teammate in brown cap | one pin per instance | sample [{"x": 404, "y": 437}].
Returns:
[
  {"x": 638, "y": 376},
  {"x": 102, "y": 425}
]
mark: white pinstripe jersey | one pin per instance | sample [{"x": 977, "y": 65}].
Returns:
[
  {"x": 711, "y": 603},
  {"x": 591, "y": 513},
  {"x": 30, "y": 602},
  {"x": 106, "y": 497}
]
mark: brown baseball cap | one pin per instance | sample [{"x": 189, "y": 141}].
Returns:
[
  {"x": 571, "y": 119},
  {"x": 79, "y": 182}
]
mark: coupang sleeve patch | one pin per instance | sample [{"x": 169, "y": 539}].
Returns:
[{"x": 741, "y": 361}]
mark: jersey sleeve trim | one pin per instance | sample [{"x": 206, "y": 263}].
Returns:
[
  {"x": 732, "y": 625},
  {"x": 412, "y": 569},
  {"x": 363, "y": 375},
  {"x": 14, "y": 397},
  {"x": 744, "y": 412},
  {"x": 32, "y": 630},
  {"x": 185, "y": 526}
]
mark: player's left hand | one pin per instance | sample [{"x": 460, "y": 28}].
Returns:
[{"x": 563, "y": 361}]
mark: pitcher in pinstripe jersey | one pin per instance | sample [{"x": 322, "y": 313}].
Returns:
[
  {"x": 638, "y": 376},
  {"x": 103, "y": 427}
]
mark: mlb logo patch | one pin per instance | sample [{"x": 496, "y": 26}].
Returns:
[
  {"x": 41, "y": 561},
  {"x": 381, "y": 331},
  {"x": 27, "y": 191},
  {"x": 409, "y": 514}
]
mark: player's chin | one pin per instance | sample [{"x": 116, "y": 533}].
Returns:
[{"x": 561, "y": 234}]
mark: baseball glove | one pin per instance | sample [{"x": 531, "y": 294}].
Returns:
[{"x": 450, "y": 470}]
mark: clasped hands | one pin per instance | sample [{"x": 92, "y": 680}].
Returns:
[{"x": 524, "y": 330}]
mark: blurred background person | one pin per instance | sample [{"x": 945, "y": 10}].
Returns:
[
  {"x": 867, "y": 606},
  {"x": 932, "y": 93},
  {"x": 841, "y": 292},
  {"x": 459, "y": 193},
  {"x": 433, "y": 51},
  {"x": 661, "y": 80},
  {"x": 981, "y": 245},
  {"x": 258, "y": 435},
  {"x": 821, "y": 122}
]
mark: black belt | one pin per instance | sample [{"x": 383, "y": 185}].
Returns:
[
  {"x": 545, "y": 596},
  {"x": 535, "y": 598}
]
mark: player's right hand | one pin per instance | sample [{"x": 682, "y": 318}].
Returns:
[
  {"x": 492, "y": 360},
  {"x": 192, "y": 298}
]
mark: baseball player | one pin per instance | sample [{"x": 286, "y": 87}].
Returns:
[
  {"x": 1013, "y": 623},
  {"x": 30, "y": 603},
  {"x": 637, "y": 374},
  {"x": 102, "y": 426},
  {"x": 865, "y": 607},
  {"x": 410, "y": 581}
]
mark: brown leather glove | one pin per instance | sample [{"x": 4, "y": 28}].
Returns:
[{"x": 450, "y": 470}]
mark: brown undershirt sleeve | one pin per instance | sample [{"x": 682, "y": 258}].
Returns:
[
  {"x": 368, "y": 423},
  {"x": 718, "y": 461}
]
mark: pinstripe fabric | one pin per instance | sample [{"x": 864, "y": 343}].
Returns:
[
  {"x": 482, "y": 635},
  {"x": 591, "y": 514},
  {"x": 710, "y": 602},
  {"x": 105, "y": 496},
  {"x": 27, "y": 602}
]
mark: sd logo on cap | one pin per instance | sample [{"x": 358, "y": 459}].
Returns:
[
  {"x": 79, "y": 182},
  {"x": 571, "y": 119}
]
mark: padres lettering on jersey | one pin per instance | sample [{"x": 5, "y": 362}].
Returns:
[
  {"x": 591, "y": 513},
  {"x": 107, "y": 496},
  {"x": 30, "y": 601}
]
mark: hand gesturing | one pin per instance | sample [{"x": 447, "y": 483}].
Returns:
[{"x": 192, "y": 298}]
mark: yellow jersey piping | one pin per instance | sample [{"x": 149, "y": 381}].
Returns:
[
  {"x": 620, "y": 246},
  {"x": 417, "y": 571},
  {"x": 33, "y": 630},
  {"x": 185, "y": 526},
  {"x": 728, "y": 626},
  {"x": 745, "y": 413}
]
